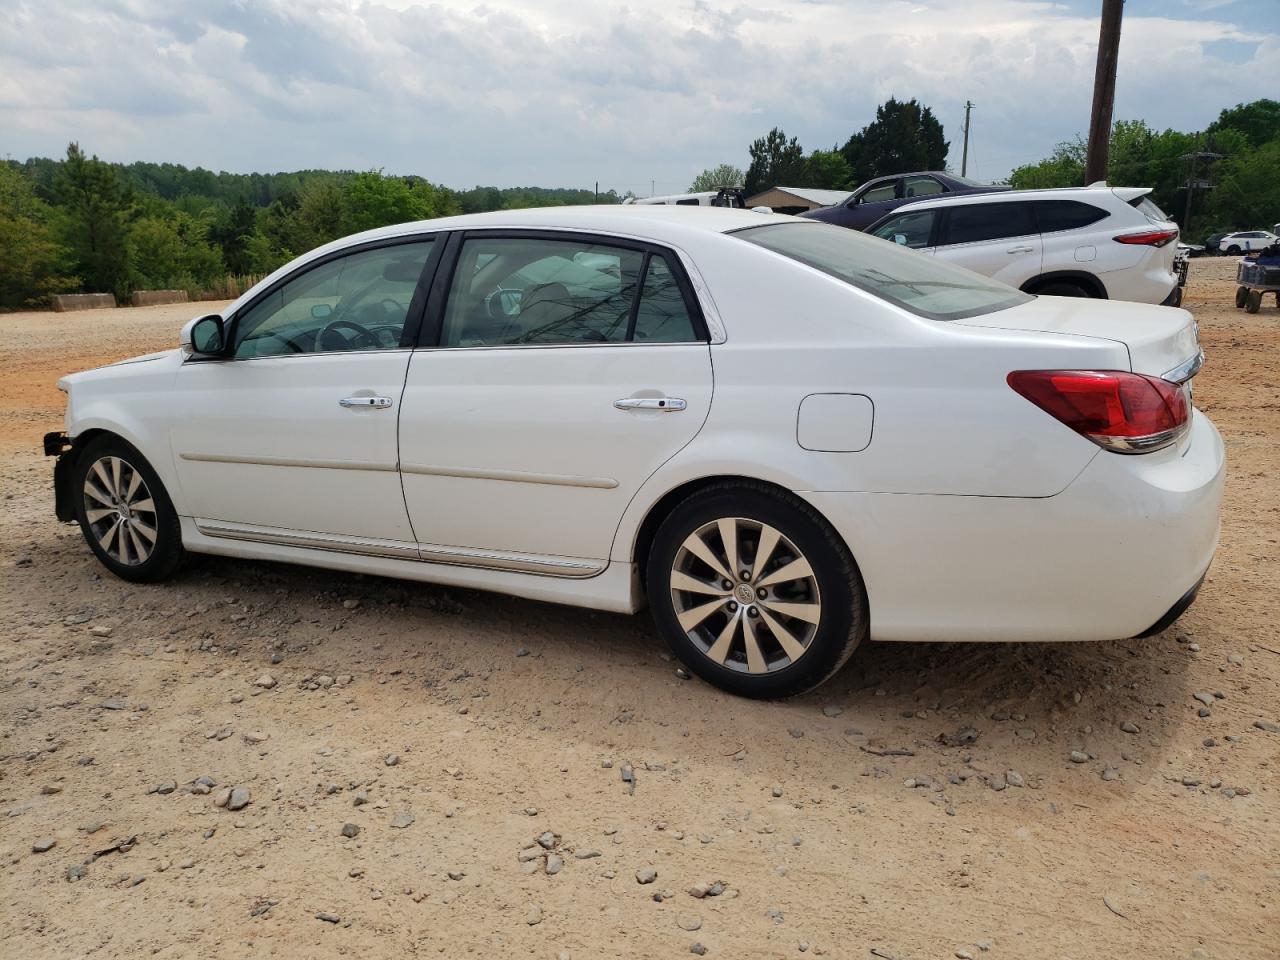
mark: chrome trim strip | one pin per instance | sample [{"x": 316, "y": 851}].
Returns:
[
  {"x": 513, "y": 476},
  {"x": 306, "y": 539},
  {"x": 377, "y": 465},
  {"x": 1185, "y": 370},
  {"x": 518, "y": 562},
  {"x": 537, "y": 564}
]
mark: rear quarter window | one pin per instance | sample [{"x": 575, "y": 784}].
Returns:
[
  {"x": 1147, "y": 207},
  {"x": 1055, "y": 215}
]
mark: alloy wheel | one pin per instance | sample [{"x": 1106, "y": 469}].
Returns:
[
  {"x": 120, "y": 511},
  {"x": 745, "y": 595}
]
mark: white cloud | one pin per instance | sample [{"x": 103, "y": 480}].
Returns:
[{"x": 563, "y": 93}]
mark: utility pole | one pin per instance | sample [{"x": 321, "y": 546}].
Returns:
[
  {"x": 964, "y": 157},
  {"x": 597, "y": 191},
  {"x": 651, "y": 190},
  {"x": 1104, "y": 92}
]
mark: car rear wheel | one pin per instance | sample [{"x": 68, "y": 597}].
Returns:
[
  {"x": 754, "y": 591},
  {"x": 125, "y": 513},
  {"x": 1233, "y": 251}
]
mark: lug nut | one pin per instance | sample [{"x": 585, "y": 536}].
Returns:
[
  {"x": 762, "y": 593},
  {"x": 746, "y": 574},
  {"x": 752, "y": 612},
  {"x": 726, "y": 585},
  {"x": 733, "y": 607}
]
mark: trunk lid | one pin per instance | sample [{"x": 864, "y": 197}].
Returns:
[{"x": 1159, "y": 339}]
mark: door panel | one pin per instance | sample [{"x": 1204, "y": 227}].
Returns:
[
  {"x": 998, "y": 240},
  {"x": 267, "y": 442},
  {"x": 521, "y": 449}
]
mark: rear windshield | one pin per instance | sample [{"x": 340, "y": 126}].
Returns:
[
  {"x": 1147, "y": 207},
  {"x": 917, "y": 282}
]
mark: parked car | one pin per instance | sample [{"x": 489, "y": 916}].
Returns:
[
  {"x": 1211, "y": 243},
  {"x": 1103, "y": 242},
  {"x": 875, "y": 198},
  {"x": 1246, "y": 241},
  {"x": 524, "y": 401},
  {"x": 722, "y": 197}
]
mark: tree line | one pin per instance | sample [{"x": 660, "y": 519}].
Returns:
[
  {"x": 83, "y": 224},
  {"x": 1243, "y": 171},
  {"x": 1244, "y": 177}
]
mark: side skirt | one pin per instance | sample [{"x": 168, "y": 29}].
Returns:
[{"x": 612, "y": 586}]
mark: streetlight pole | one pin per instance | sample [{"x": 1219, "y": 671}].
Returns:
[{"x": 964, "y": 157}]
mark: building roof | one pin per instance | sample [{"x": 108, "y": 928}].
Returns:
[{"x": 827, "y": 198}]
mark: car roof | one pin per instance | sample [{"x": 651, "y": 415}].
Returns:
[
  {"x": 1013, "y": 196},
  {"x": 657, "y": 222}
]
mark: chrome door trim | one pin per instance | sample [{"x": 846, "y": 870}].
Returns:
[
  {"x": 336, "y": 543},
  {"x": 661, "y": 404},
  {"x": 365, "y": 403},
  {"x": 377, "y": 465},
  {"x": 537, "y": 564},
  {"x": 540, "y": 564},
  {"x": 513, "y": 476}
]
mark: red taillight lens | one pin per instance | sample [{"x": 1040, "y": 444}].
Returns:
[
  {"x": 1148, "y": 238},
  {"x": 1124, "y": 412}
]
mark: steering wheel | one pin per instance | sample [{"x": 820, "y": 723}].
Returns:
[{"x": 363, "y": 336}]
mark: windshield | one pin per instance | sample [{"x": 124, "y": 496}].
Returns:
[{"x": 917, "y": 282}]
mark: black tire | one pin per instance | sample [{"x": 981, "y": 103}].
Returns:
[
  {"x": 843, "y": 618},
  {"x": 1233, "y": 251},
  {"x": 1242, "y": 294},
  {"x": 1062, "y": 288},
  {"x": 155, "y": 513},
  {"x": 1254, "y": 301}
]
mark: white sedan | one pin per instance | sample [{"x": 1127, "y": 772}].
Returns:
[{"x": 785, "y": 437}]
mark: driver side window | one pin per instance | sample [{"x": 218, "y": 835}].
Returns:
[{"x": 357, "y": 302}]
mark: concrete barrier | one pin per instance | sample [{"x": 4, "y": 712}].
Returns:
[
  {"x": 62, "y": 302},
  {"x": 149, "y": 298}
]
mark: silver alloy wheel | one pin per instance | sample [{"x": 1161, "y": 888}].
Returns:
[
  {"x": 745, "y": 595},
  {"x": 120, "y": 510}
]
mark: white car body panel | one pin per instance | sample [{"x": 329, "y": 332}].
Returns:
[{"x": 972, "y": 514}]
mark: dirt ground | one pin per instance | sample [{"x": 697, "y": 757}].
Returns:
[{"x": 924, "y": 804}]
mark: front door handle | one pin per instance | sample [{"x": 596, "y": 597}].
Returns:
[
  {"x": 363, "y": 403},
  {"x": 1020, "y": 250},
  {"x": 665, "y": 404}
]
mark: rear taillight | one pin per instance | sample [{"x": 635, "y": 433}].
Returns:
[
  {"x": 1123, "y": 412},
  {"x": 1148, "y": 238}
]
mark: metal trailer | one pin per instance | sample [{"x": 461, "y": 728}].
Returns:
[{"x": 1256, "y": 279}]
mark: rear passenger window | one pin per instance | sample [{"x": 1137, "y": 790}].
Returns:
[
  {"x": 1054, "y": 215},
  {"x": 662, "y": 316},
  {"x": 973, "y": 223},
  {"x": 508, "y": 291}
]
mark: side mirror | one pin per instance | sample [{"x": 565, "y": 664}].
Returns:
[
  {"x": 203, "y": 337},
  {"x": 322, "y": 311},
  {"x": 900, "y": 239}
]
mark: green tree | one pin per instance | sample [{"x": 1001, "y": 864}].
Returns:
[
  {"x": 713, "y": 178},
  {"x": 231, "y": 233},
  {"x": 828, "y": 170},
  {"x": 1064, "y": 168},
  {"x": 172, "y": 252},
  {"x": 371, "y": 200},
  {"x": 1259, "y": 121},
  {"x": 775, "y": 161},
  {"x": 904, "y": 136},
  {"x": 1248, "y": 190},
  {"x": 32, "y": 262},
  {"x": 95, "y": 209}
]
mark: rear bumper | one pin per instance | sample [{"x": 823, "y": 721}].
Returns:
[{"x": 1112, "y": 555}]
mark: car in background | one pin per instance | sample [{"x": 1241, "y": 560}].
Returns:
[
  {"x": 909, "y": 456},
  {"x": 1211, "y": 243},
  {"x": 875, "y": 198},
  {"x": 1246, "y": 241},
  {"x": 722, "y": 197},
  {"x": 1110, "y": 243}
]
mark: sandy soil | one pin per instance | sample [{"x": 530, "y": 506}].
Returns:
[{"x": 511, "y": 718}]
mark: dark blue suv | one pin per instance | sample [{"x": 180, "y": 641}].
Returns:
[{"x": 875, "y": 198}]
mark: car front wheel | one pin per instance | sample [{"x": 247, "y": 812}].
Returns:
[
  {"x": 754, "y": 591},
  {"x": 125, "y": 513}
]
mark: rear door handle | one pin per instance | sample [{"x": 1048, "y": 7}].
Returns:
[
  {"x": 1020, "y": 250},
  {"x": 665, "y": 404},
  {"x": 363, "y": 403}
]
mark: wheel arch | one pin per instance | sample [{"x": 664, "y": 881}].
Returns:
[
  {"x": 661, "y": 508},
  {"x": 1082, "y": 278}
]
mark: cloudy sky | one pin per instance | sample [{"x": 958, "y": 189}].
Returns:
[{"x": 568, "y": 92}]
